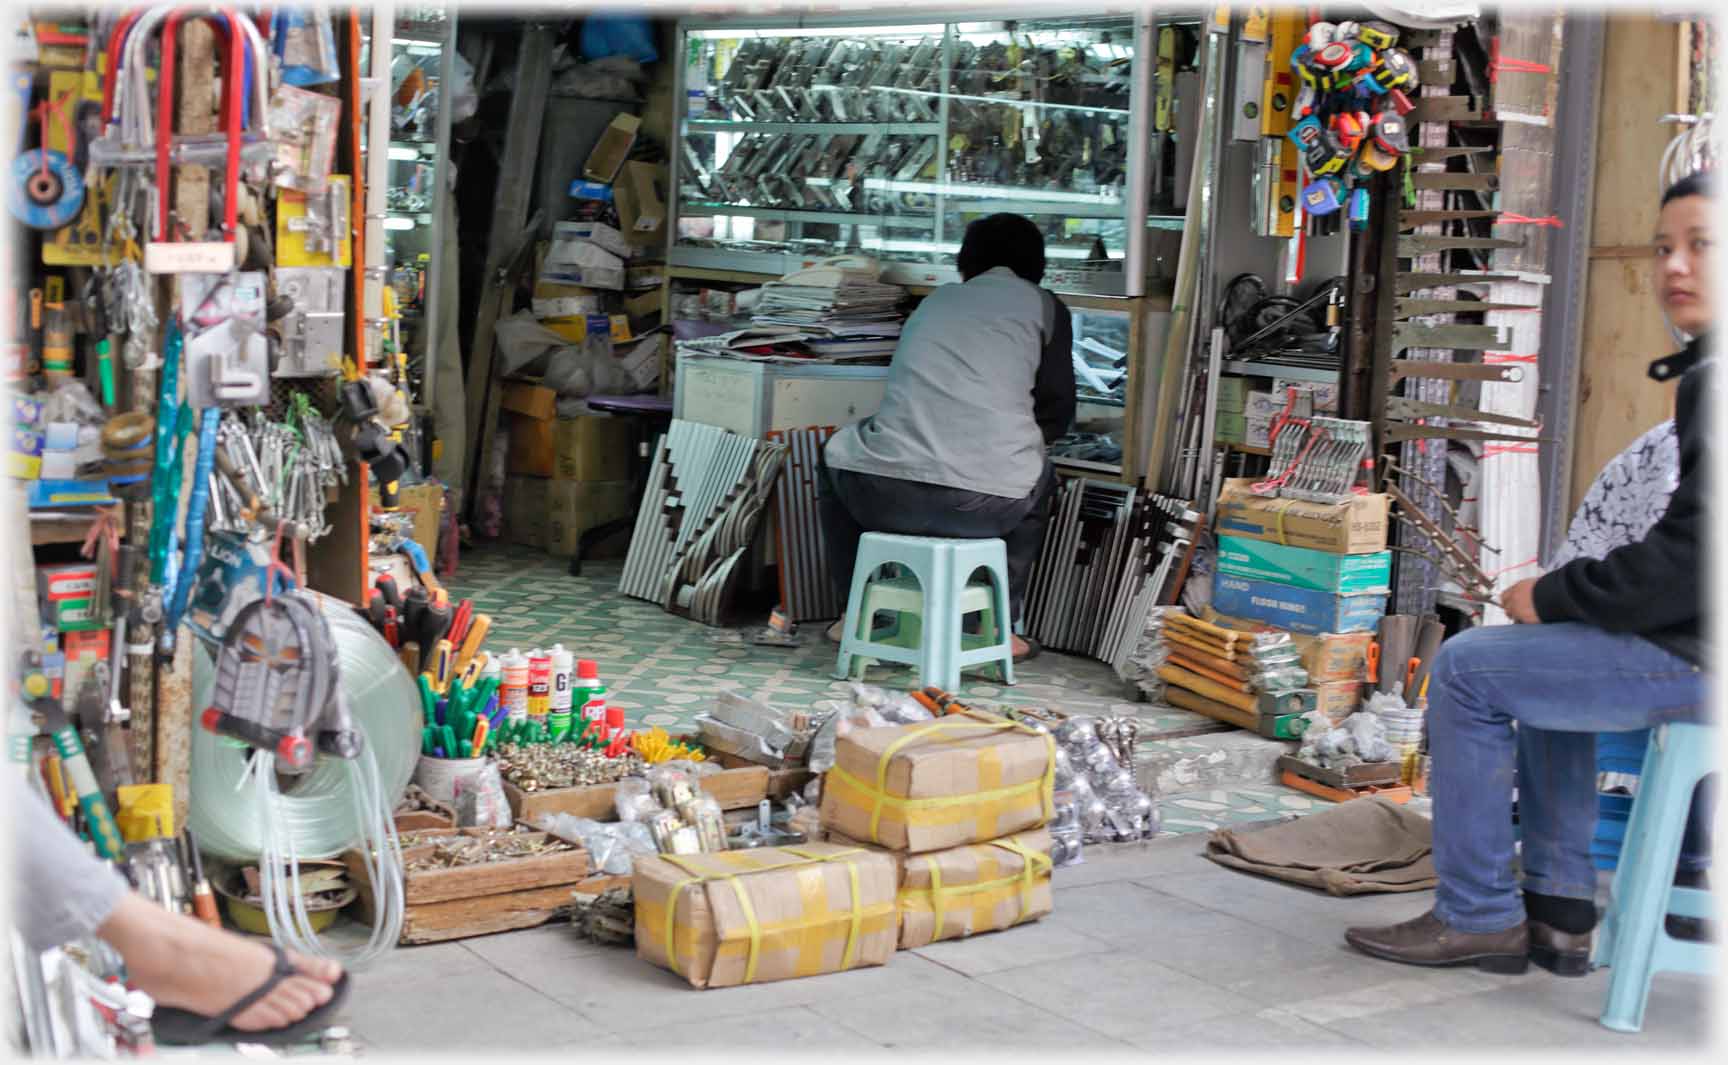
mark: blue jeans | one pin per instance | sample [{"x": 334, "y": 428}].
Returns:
[{"x": 1560, "y": 684}]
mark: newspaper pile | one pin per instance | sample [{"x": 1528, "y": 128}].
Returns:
[{"x": 841, "y": 306}]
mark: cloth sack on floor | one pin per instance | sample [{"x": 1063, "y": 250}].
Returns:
[{"x": 1356, "y": 848}]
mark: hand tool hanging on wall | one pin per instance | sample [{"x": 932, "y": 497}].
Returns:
[
  {"x": 45, "y": 189},
  {"x": 99, "y": 818}
]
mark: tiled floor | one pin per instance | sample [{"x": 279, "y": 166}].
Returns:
[
  {"x": 664, "y": 670},
  {"x": 1151, "y": 947}
]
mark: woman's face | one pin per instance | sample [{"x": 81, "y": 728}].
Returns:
[{"x": 1685, "y": 280}]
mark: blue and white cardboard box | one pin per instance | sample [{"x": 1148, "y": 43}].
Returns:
[{"x": 1294, "y": 609}]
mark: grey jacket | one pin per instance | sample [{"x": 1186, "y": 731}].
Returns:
[{"x": 981, "y": 383}]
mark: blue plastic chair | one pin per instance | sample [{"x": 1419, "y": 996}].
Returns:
[
  {"x": 930, "y": 605},
  {"x": 1633, "y": 939}
]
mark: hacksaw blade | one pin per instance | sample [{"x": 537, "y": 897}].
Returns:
[
  {"x": 1427, "y": 244},
  {"x": 1416, "y": 282},
  {"x": 1406, "y": 308},
  {"x": 1456, "y": 337},
  {"x": 1398, "y": 432},
  {"x": 1412, "y": 219},
  {"x": 1400, "y": 407},
  {"x": 1455, "y": 371},
  {"x": 1448, "y": 181}
]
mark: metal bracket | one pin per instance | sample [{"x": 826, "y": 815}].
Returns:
[
  {"x": 1456, "y": 337},
  {"x": 1456, "y": 371}
]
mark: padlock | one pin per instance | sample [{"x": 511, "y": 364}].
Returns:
[
  {"x": 1326, "y": 157},
  {"x": 1396, "y": 70},
  {"x": 1359, "y": 210},
  {"x": 1377, "y": 35},
  {"x": 1320, "y": 198},
  {"x": 1390, "y": 134},
  {"x": 1349, "y": 127}
]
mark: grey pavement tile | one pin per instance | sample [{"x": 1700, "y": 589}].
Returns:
[
  {"x": 1270, "y": 1029},
  {"x": 421, "y": 962},
  {"x": 506, "y": 950},
  {"x": 1027, "y": 945},
  {"x": 474, "y": 1011},
  {"x": 1128, "y": 912},
  {"x": 781, "y": 1030},
  {"x": 1679, "y": 1013},
  {"x": 1155, "y": 858},
  {"x": 1516, "y": 1017},
  {"x": 619, "y": 984},
  {"x": 979, "y": 1018},
  {"x": 1302, "y": 912},
  {"x": 1121, "y": 995}
]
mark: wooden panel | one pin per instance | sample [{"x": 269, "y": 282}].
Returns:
[{"x": 1623, "y": 326}]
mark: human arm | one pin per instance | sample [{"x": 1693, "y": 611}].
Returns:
[{"x": 1053, "y": 386}]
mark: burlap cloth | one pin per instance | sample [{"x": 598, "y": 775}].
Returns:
[{"x": 1356, "y": 848}]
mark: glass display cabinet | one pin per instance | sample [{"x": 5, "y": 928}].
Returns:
[
  {"x": 422, "y": 51},
  {"x": 802, "y": 141}
]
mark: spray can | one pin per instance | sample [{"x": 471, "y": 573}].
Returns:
[
  {"x": 539, "y": 684},
  {"x": 563, "y": 663},
  {"x": 515, "y": 685},
  {"x": 614, "y": 722},
  {"x": 587, "y": 686},
  {"x": 593, "y": 710}
]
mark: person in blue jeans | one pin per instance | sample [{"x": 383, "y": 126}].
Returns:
[{"x": 1601, "y": 645}]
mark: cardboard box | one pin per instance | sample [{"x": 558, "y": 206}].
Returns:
[
  {"x": 641, "y": 278},
  {"x": 525, "y": 397},
  {"x": 1265, "y": 405},
  {"x": 555, "y": 300},
  {"x": 612, "y": 149},
  {"x": 1230, "y": 428},
  {"x": 1279, "y": 704},
  {"x": 592, "y": 447},
  {"x": 532, "y": 453},
  {"x": 640, "y": 209},
  {"x": 425, "y": 502},
  {"x": 984, "y": 887},
  {"x": 527, "y": 501},
  {"x": 1334, "y": 656},
  {"x": 738, "y": 788},
  {"x": 1233, "y": 394},
  {"x": 577, "y": 506},
  {"x": 1338, "y": 700},
  {"x": 1257, "y": 431},
  {"x": 1355, "y": 527},
  {"x": 776, "y": 913},
  {"x": 70, "y": 593},
  {"x": 598, "y": 234},
  {"x": 582, "y": 264},
  {"x": 1283, "y": 726},
  {"x": 1296, "y": 609},
  {"x": 1302, "y": 567},
  {"x": 964, "y": 779},
  {"x": 1325, "y": 396}
]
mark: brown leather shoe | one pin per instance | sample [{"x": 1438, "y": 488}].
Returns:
[
  {"x": 1428, "y": 941},
  {"x": 1561, "y": 953}
]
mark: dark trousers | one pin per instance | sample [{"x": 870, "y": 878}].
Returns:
[{"x": 853, "y": 504}]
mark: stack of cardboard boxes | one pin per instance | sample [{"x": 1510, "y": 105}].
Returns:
[
  {"x": 1246, "y": 415},
  {"x": 566, "y": 475},
  {"x": 1320, "y": 571},
  {"x": 961, "y": 804}
]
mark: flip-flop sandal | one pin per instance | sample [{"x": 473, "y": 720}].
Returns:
[
  {"x": 177, "y": 1027},
  {"x": 1033, "y": 650}
]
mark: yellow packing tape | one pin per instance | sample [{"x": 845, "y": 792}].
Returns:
[
  {"x": 881, "y": 798},
  {"x": 1033, "y": 866}
]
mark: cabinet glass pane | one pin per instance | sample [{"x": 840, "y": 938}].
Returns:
[
  {"x": 1100, "y": 356},
  {"x": 888, "y": 140}
]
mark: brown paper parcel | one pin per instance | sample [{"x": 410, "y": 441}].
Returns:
[
  {"x": 966, "y": 778},
  {"x": 981, "y": 888},
  {"x": 748, "y": 917}
]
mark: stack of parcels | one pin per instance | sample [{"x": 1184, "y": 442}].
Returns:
[
  {"x": 960, "y": 804},
  {"x": 774, "y": 913},
  {"x": 846, "y": 310},
  {"x": 1251, "y": 680}
]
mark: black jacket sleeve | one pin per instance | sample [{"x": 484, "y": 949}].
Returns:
[
  {"x": 1053, "y": 388},
  {"x": 1654, "y": 587}
]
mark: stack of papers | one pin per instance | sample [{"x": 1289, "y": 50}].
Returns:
[
  {"x": 784, "y": 343},
  {"x": 842, "y": 298}
]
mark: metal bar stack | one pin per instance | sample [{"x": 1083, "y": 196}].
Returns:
[
  {"x": 806, "y": 592},
  {"x": 706, "y": 493},
  {"x": 1110, "y": 555}
]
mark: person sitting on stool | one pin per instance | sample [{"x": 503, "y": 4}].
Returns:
[
  {"x": 981, "y": 384},
  {"x": 1601, "y": 645}
]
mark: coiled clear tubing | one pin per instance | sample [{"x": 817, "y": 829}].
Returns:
[{"x": 239, "y": 814}]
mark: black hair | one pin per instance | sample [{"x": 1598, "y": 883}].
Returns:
[
  {"x": 1009, "y": 240},
  {"x": 1698, "y": 184}
]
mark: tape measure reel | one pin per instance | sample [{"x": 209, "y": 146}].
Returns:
[{"x": 46, "y": 191}]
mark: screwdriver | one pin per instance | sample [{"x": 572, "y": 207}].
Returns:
[{"x": 203, "y": 899}]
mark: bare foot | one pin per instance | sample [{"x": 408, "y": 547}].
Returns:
[
  {"x": 834, "y": 632},
  {"x": 186, "y": 964}
]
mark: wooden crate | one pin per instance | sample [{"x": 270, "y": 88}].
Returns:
[
  {"x": 735, "y": 789},
  {"x": 477, "y": 900},
  {"x": 1356, "y": 782}
]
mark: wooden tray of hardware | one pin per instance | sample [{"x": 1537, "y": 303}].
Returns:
[
  {"x": 735, "y": 789},
  {"x": 476, "y": 900},
  {"x": 1369, "y": 778}
]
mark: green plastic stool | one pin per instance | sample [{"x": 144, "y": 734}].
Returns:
[
  {"x": 929, "y": 605},
  {"x": 1633, "y": 940}
]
